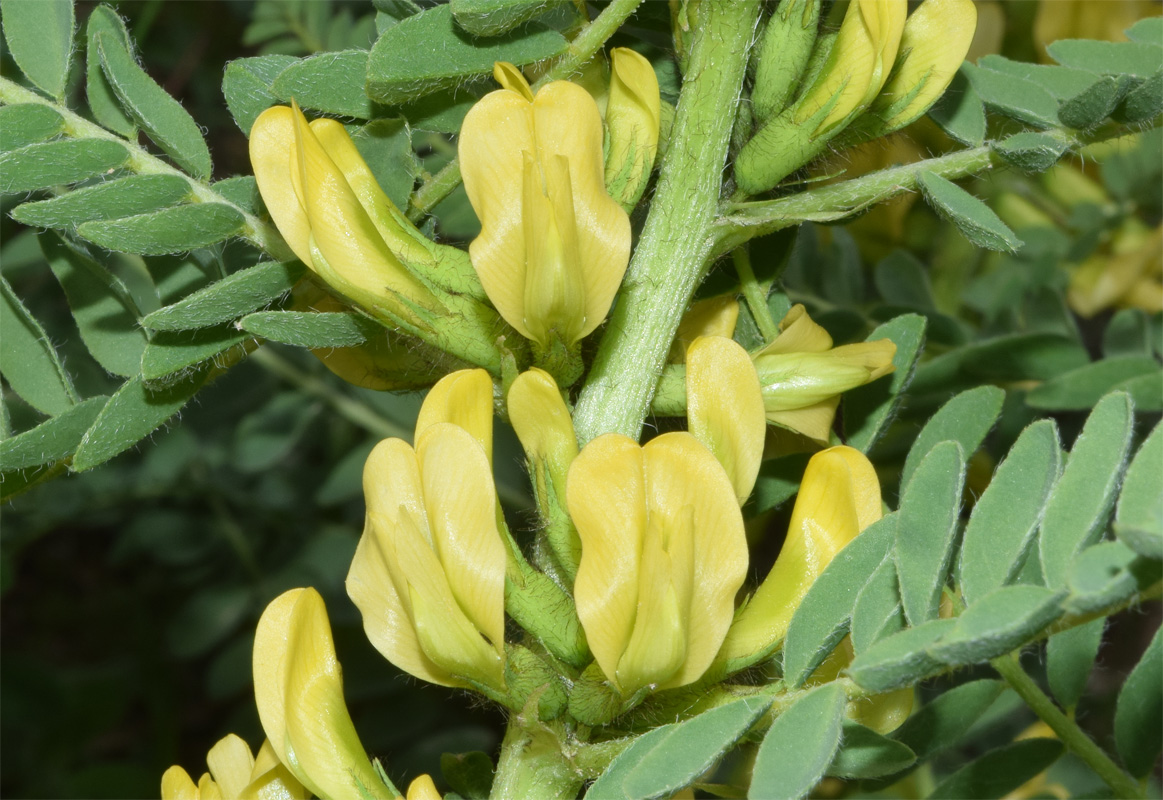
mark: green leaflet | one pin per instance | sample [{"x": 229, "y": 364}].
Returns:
[
  {"x": 1093, "y": 105},
  {"x": 972, "y": 217},
  {"x": 229, "y": 298},
  {"x": 246, "y": 85},
  {"x": 1014, "y": 97},
  {"x": 495, "y": 17},
  {"x": 1013, "y": 357},
  {"x": 800, "y": 745},
  {"x": 1139, "y": 519},
  {"x": 1002, "y": 526},
  {"x": 53, "y": 440},
  {"x": 1030, "y": 151},
  {"x": 1108, "y": 58},
  {"x": 162, "y": 117},
  {"x": 328, "y": 82},
  {"x": 242, "y": 190},
  {"x": 395, "y": 75},
  {"x": 869, "y": 409},
  {"x": 1069, "y": 660},
  {"x": 28, "y": 123},
  {"x": 173, "y": 351},
  {"x": 930, "y": 508},
  {"x": 864, "y": 753},
  {"x": 1062, "y": 83},
  {"x": 877, "y": 612},
  {"x": 993, "y": 625},
  {"x": 1149, "y": 30},
  {"x": 102, "y": 307},
  {"x": 133, "y": 413},
  {"x": 960, "y": 112},
  {"x": 28, "y": 360},
  {"x": 691, "y": 748},
  {"x": 124, "y": 197},
  {"x": 102, "y": 99},
  {"x": 311, "y": 329},
  {"x": 1127, "y": 334},
  {"x": 40, "y": 40},
  {"x": 1081, "y": 388},
  {"x": 608, "y": 786},
  {"x": 965, "y": 419},
  {"x": 1143, "y": 103},
  {"x": 1139, "y": 712},
  {"x": 901, "y": 659},
  {"x": 386, "y": 146},
  {"x": 902, "y": 280},
  {"x": 171, "y": 230},
  {"x": 942, "y": 723},
  {"x": 1105, "y": 575},
  {"x": 1080, "y": 503},
  {"x": 823, "y": 616},
  {"x": 469, "y": 774},
  {"x": 1000, "y": 771},
  {"x": 44, "y": 164}
]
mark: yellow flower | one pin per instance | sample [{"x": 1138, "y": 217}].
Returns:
[
  {"x": 633, "y": 115},
  {"x": 839, "y": 497},
  {"x": 553, "y": 246},
  {"x": 663, "y": 554},
  {"x": 235, "y": 774},
  {"x": 429, "y": 571},
  {"x": 935, "y": 40},
  {"x": 802, "y": 376},
  {"x": 298, "y": 689},
  {"x": 725, "y": 408},
  {"x": 333, "y": 214},
  {"x": 422, "y": 788},
  {"x": 1129, "y": 276}
]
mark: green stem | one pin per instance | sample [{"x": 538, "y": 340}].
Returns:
[
  {"x": 673, "y": 252},
  {"x": 580, "y": 50},
  {"x": 141, "y": 161},
  {"x": 754, "y": 294},
  {"x": 533, "y": 764},
  {"x": 1071, "y": 735}
]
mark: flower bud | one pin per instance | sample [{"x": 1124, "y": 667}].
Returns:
[
  {"x": 633, "y": 112},
  {"x": 542, "y": 422},
  {"x": 663, "y": 554},
  {"x": 802, "y": 376},
  {"x": 856, "y": 68},
  {"x": 839, "y": 497},
  {"x": 553, "y": 246},
  {"x": 783, "y": 55},
  {"x": 298, "y": 689},
  {"x": 725, "y": 408},
  {"x": 422, "y": 788}
]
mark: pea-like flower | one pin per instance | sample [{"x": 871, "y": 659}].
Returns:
[
  {"x": 839, "y": 497},
  {"x": 429, "y": 571},
  {"x": 235, "y": 773},
  {"x": 553, "y": 245},
  {"x": 663, "y": 554},
  {"x": 802, "y": 376},
  {"x": 298, "y": 688}
]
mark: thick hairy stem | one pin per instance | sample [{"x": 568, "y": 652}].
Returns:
[{"x": 672, "y": 254}]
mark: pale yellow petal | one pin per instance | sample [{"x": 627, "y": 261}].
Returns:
[
  {"x": 658, "y": 644},
  {"x": 494, "y": 135},
  {"x": 422, "y": 788},
  {"x": 364, "y": 268},
  {"x": 884, "y": 713},
  {"x": 464, "y": 398},
  {"x": 567, "y": 123},
  {"x": 376, "y": 582},
  {"x": 814, "y": 421},
  {"x": 208, "y": 789},
  {"x": 318, "y": 723},
  {"x": 271, "y": 658},
  {"x": 715, "y": 316},
  {"x": 688, "y": 489},
  {"x": 543, "y": 424},
  {"x": 512, "y": 79},
  {"x": 272, "y": 148},
  {"x": 178, "y": 785},
  {"x": 230, "y": 762},
  {"x": 271, "y": 780},
  {"x": 798, "y": 334},
  {"x": 461, "y": 502},
  {"x": 606, "y": 498},
  {"x": 632, "y": 117},
  {"x": 725, "y": 408}
]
